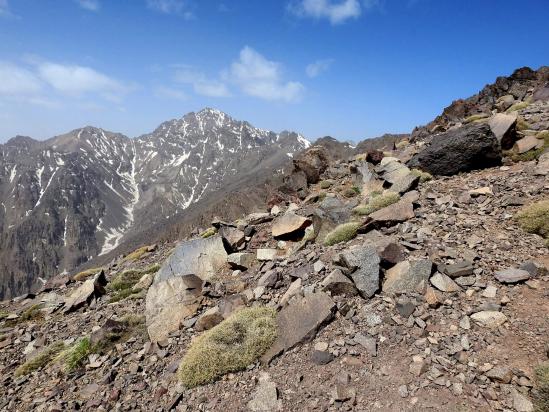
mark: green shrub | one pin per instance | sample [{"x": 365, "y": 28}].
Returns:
[
  {"x": 349, "y": 192},
  {"x": 40, "y": 360},
  {"x": 74, "y": 357},
  {"x": 517, "y": 106},
  {"x": 3, "y": 314},
  {"x": 535, "y": 219},
  {"x": 541, "y": 393},
  {"x": 530, "y": 154},
  {"x": 342, "y": 233},
  {"x": 136, "y": 254},
  {"x": 208, "y": 232},
  {"x": 544, "y": 135},
  {"x": 377, "y": 202},
  {"x": 475, "y": 118},
  {"x": 522, "y": 124},
  {"x": 326, "y": 184},
  {"x": 121, "y": 285},
  {"x": 86, "y": 274},
  {"x": 423, "y": 176},
  {"x": 230, "y": 346}
]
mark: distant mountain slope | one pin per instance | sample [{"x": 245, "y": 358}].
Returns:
[{"x": 84, "y": 193}]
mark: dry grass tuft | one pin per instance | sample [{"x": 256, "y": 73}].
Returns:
[
  {"x": 230, "y": 346},
  {"x": 342, "y": 233},
  {"x": 541, "y": 394},
  {"x": 475, "y": 118},
  {"x": 86, "y": 274},
  {"x": 73, "y": 357},
  {"x": 377, "y": 202},
  {"x": 40, "y": 360},
  {"x": 208, "y": 232},
  {"x": 136, "y": 254},
  {"x": 535, "y": 219},
  {"x": 517, "y": 106},
  {"x": 123, "y": 283},
  {"x": 423, "y": 176},
  {"x": 326, "y": 184}
]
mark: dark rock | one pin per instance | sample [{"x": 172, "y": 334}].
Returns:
[
  {"x": 362, "y": 263},
  {"x": 391, "y": 254},
  {"x": 321, "y": 357},
  {"x": 232, "y": 238},
  {"x": 339, "y": 284},
  {"x": 458, "y": 269},
  {"x": 468, "y": 148},
  {"x": 374, "y": 156},
  {"x": 313, "y": 162}
]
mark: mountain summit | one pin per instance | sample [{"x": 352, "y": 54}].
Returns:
[{"x": 83, "y": 193}]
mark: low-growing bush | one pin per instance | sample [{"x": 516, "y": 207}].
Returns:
[
  {"x": 535, "y": 219},
  {"x": 350, "y": 192},
  {"x": 377, "y": 202},
  {"x": 475, "y": 118},
  {"x": 423, "y": 176},
  {"x": 326, "y": 184},
  {"x": 522, "y": 124},
  {"x": 86, "y": 274},
  {"x": 136, "y": 254},
  {"x": 40, "y": 360},
  {"x": 342, "y": 233},
  {"x": 74, "y": 356},
  {"x": 230, "y": 346},
  {"x": 3, "y": 314},
  {"x": 541, "y": 393},
  {"x": 517, "y": 106},
  {"x": 208, "y": 232},
  {"x": 121, "y": 285}
]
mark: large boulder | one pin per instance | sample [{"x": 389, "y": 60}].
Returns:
[
  {"x": 169, "y": 302},
  {"x": 504, "y": 128},
  {"x": 88, "y": 291},
  {"x": 289, "y": 224},
  {"x": 313, "y": 162},
  {"x": 362, "y": 264},
  {"x": 406, "y": 277},
  {"x": 200, "y": 257},
  {"x": 468, "y": 148}
]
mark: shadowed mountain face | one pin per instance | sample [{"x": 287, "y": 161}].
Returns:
[{"x": 82, "y": 194}]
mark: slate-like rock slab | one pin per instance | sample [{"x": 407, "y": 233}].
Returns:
[
  {"x": 201, "y": 257},
  {"x": 511, "y": 275},
  {"x": 408, "y": 276},
  {"x": 362, "y": 262},
  {"x": 299, "y": 322},
  {"x": 288, "y": 224},
  {"x": 86, "y": 292}
]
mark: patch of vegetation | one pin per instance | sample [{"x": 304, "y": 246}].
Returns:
[
  {"x": 535, "y": 219},
  {"x": 123, "y": 283},
  {"x": 230, "y": 346},
  {"x": 208, "y": 232},
  {"x": 522, "y": 124},
  {"x": 544, "y": 134},
  {"x": 530, "y": 154},
  {"x": 377, "y": 202},
  {"x": 3, "y": 314},
  {"x": 326, "y": 184},
  {"x": 41, "y": 359},
  {"x": 136, "y": 254},
  {"x": 541, "y": 394},
  {"x": 517, "y": 106},
  {"x": 73, "y": 357},
  {"x": 351, "y": 192},
  {"x": 132, "y": 319},
  {"x": 423, "y": 176},
  {"x": 86, "y": 274},
  {"x": 33, "y": 312},
  {"x": 475, "y": 118},
  {"x": 342, "y": 233}
]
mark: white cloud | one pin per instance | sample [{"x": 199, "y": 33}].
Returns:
[
  {"x": 170, "y": 93},
  {"x": 201, "y": 84},
  {"x": 259, "y": 77},
  {"x": 78, "y": 80},
  {"x": 171, "y": 7},
  {"x": 318, "y": 67},
  {"x": 336, "y": 11},
  {"x": 5, "y": 9},
  {"x": 18, "y": 81},
  {"x": 91, "y": 5}
]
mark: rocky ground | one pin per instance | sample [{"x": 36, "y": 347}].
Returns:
[{"x": 438, "y": 300}]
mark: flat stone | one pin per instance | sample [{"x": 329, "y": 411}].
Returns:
[
  {"x": 321, "y": 357},
  {"x": 520, "y": 402},
  {"x": 542, "y": 168},
  {"x": 489, "y": 318},
  {"x": 490, "y": 292},
  {"x": 86, "y": 292},
  {"x": 241, "y": 260},
  {"x": 500, "y": 374},
  {"x": 289, "y": 224},
  {"x": 362, "y": 262},
  {"x": 398, "y": 212},
  {"x": 144, "y": 283},
  {"x": 339, "y": 284},
  {"x": 458, "y": 269},
  {"x": 232, "y": 237},
  {"x": 405, "y": 183},
  {"x": 293, "y": 290},
  {"x": 258, "y": 218},
  {"x": 511, "y": 275},
  {"x": 201, "y": 257},
  {"x": 525, "y": 144},
  {"x": 405, "y": 307},
  {"x": 298, "y": 322},
  {"x": 535, "y": 268},
  {"x": 408, "y": 276},
  {"x": 444, "y": 283},
  {"x": 391, "y": 254},
  {"x": 265, "y": 397},
  {"x": 367, "y": 343},
  {"x": 209, "y": 319},
  {"x": 503, "y": 127},
  {"x": 266, "y": 254},
  {"x": 170, "y": 302}
]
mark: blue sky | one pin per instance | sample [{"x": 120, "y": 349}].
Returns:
[{"x": 351, "y": 69}]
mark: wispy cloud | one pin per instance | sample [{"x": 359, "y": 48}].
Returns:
[
  {"x": 336, "y": 11},
  {"x": 179, "y": 7},
  {"x": 201, "y": 84},
  {"x": 90, "y": 5},
  {"x": 170, "y": 93},
  {"x": 318, "y": 67},
  {"x": 41, "y": 82},
  {"x": 5, "y": 10},
  {"x": 257, "y": 76}
]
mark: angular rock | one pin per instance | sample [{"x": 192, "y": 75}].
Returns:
[
  {"x": 232, "y": 237},
  {"x": 144, "y": 283},
  {"x": 405, "y": 183},
  {"x": 313, "y": 162},
  {"x": 266, "y": 254},
  {"x": 339, "y": 284},
  {"x": 534, "y": 268},
  {"x": 241, "y": 260},
  {"x": 520, "y": 402},
  {"x": 470, "y": 147},
  {"x": 258, "y": 218},
  {"x": 289, "y": 224},
  {"x": 542, "y": 168},
  {"x": 299, "y": 322},
  {"x": 169, "y": 302},
  {"x": 231, "y": 303},
  {"x": 321, "y": 357},
  {"x": 511, "y": 275},
  {"x": 504, "y": 128},
  {"x": 392, "y": 170},
  {"x": 201, "y": 257},
  {"x": 525, "y": 144},
  {"x": 367, "y": 343},
  {"x": 391, "y": 254},
  {"x": 362, "y": 263},
  {"x": 89, "y": 290},
  {"x": 444, "y": 283},
  {"x": 408, "y": 276},
  {"x": 458, "y": 269},
  {"x": 293, "y": 290},
  {"x": 265, "y": 398},
  {"x": 209, "y": 319},
  {"x": 398, "y": 212},
  {"x": 500, "y": 374},
  {"x": 489, "y": 318}
]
